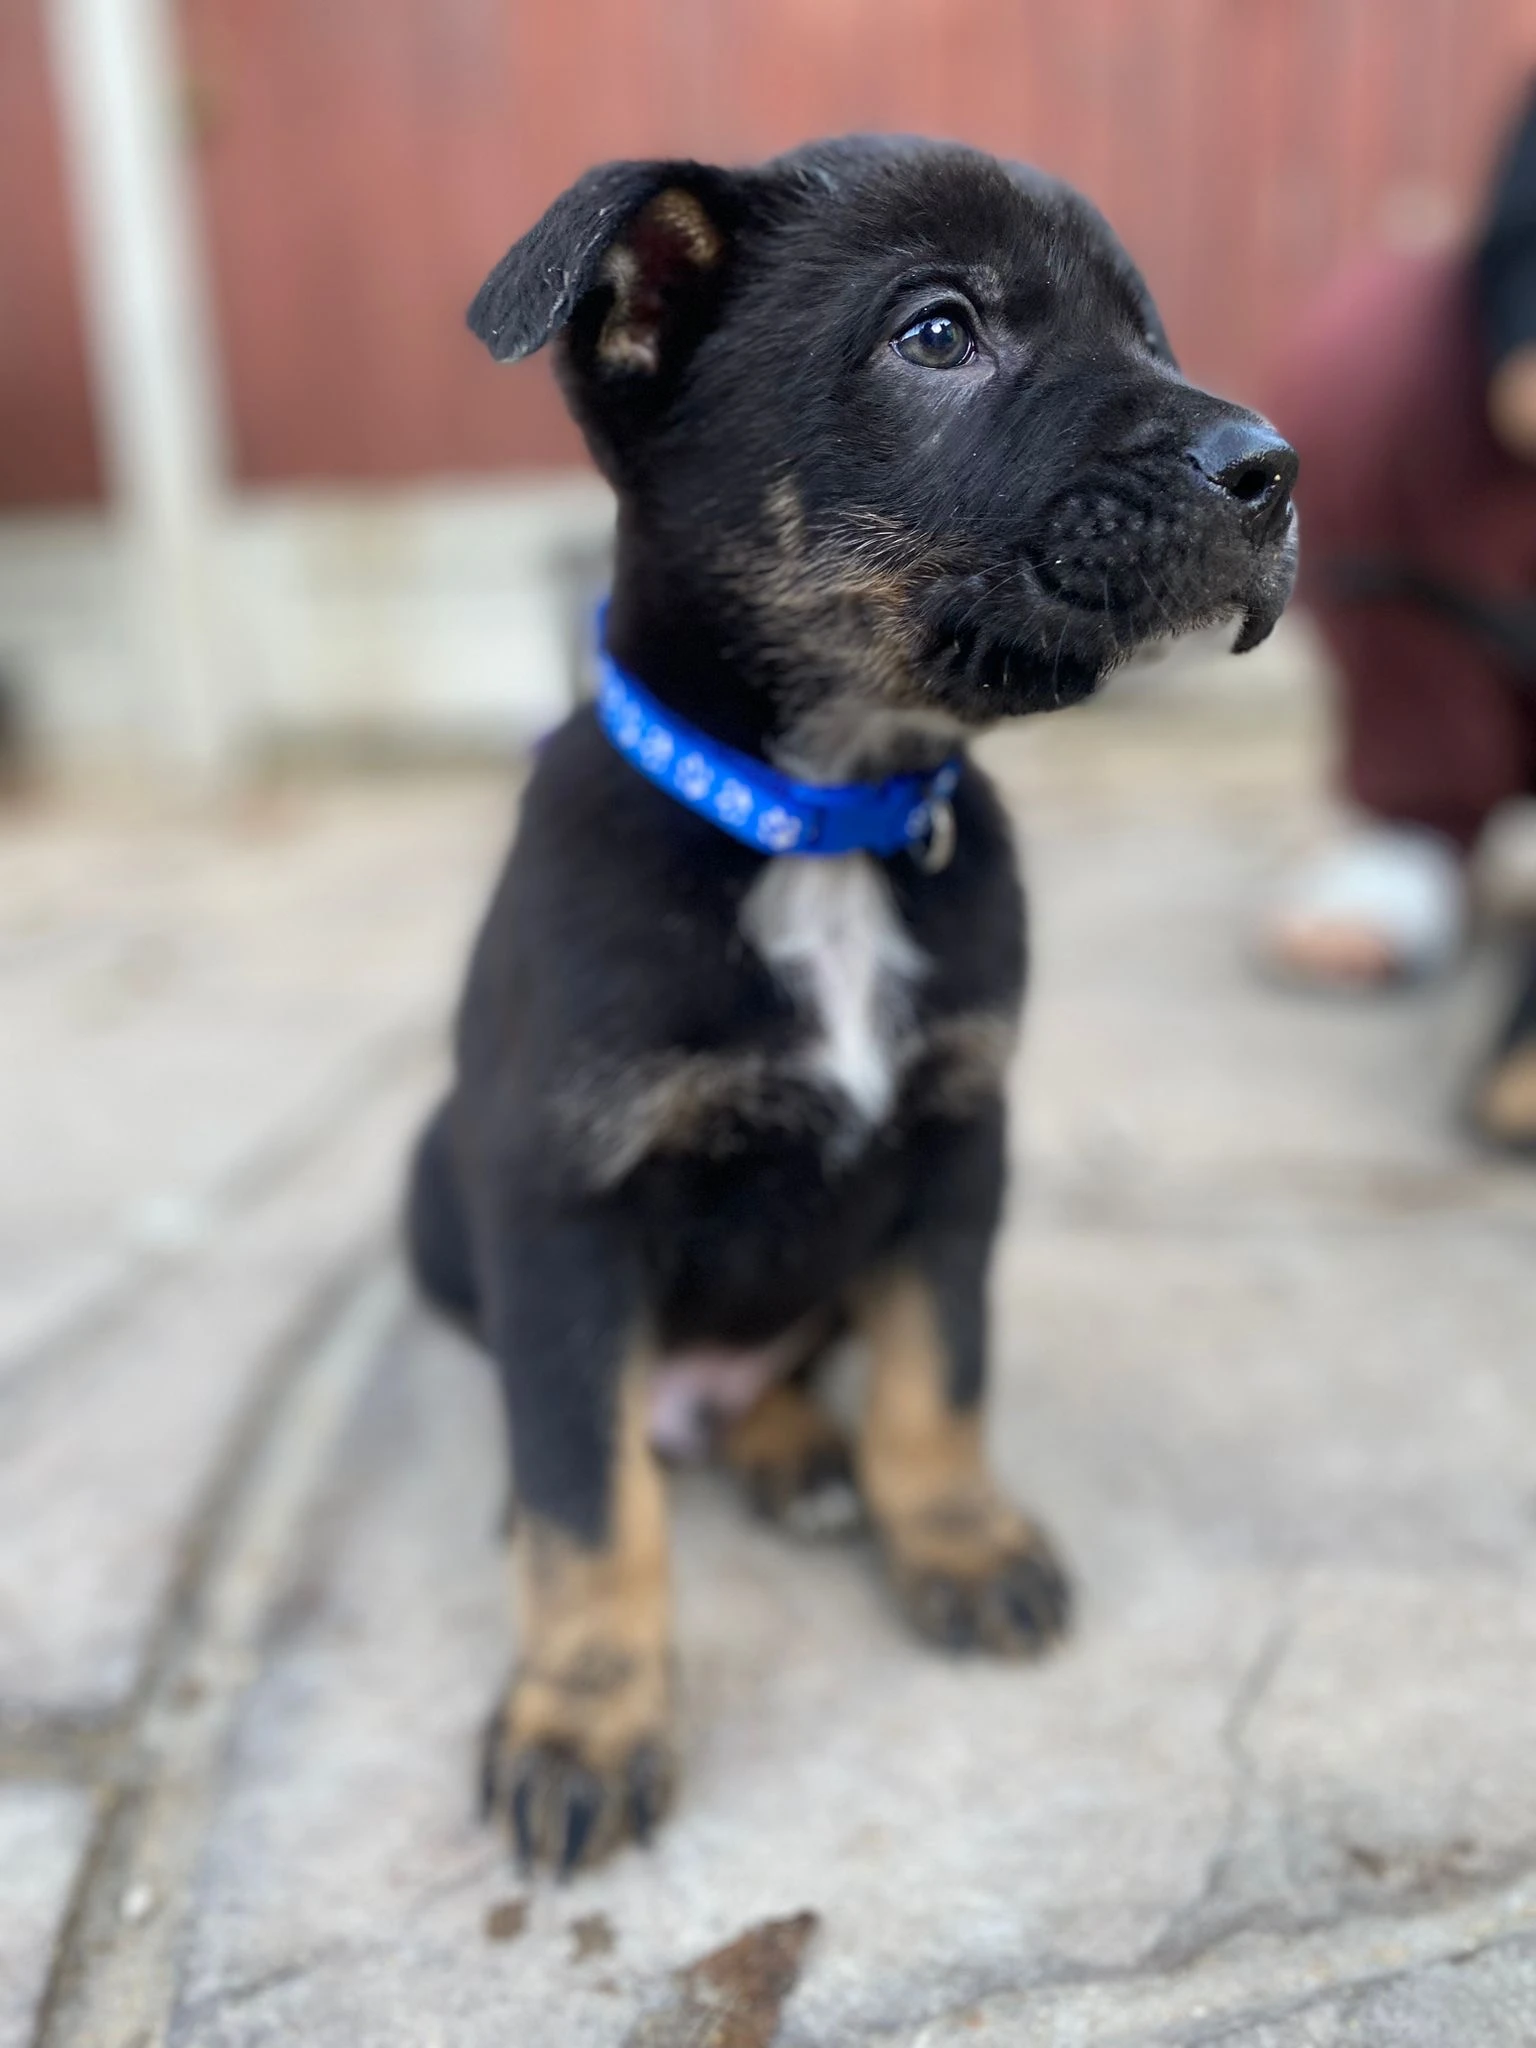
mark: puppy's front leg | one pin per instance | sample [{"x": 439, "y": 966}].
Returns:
[
  {"x": 969, "y": 1569},
  {"x": 579, "y": 1754}
]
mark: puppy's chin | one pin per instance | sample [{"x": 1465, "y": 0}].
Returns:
[
  {"x": 1031, "y": 652},
  {"x": 1234, "y": 629},
  {"x": 1192, "y": 643},
  {"x": 994, "y": 678},
  {"x": 1044, "y": 660}
]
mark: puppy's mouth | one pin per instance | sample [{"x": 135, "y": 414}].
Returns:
[{"x": 1044, "y": 631}]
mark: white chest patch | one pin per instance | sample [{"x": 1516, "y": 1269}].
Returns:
[{"x": 830, "y": 930}]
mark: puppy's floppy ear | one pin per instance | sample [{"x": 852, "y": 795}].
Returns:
[{"x": 650, "y": 236}]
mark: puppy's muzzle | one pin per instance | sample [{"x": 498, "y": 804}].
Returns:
[{"x": 1162, "y": 534}]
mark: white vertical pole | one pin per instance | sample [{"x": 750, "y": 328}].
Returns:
[{"x": 150, "y": 342}]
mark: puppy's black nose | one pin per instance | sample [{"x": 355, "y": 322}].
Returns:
[{"x": 1251, "y": 465}]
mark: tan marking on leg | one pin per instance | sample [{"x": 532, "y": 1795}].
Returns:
[
  {"x": 968, "y": 1567},
  {"x": 794, "y": 1462},
  {"x": 581, "y": 1750}
]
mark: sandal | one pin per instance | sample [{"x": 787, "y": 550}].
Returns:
[{"x": 1387, "y": 906}]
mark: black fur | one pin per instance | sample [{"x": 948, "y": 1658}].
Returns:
[
  {"x": 541, "y": 282},
  {"x": 846, "y": 561}
]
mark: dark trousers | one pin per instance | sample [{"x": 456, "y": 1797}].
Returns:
[{"x": 1382, "y": 392}]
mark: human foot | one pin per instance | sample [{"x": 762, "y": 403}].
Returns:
[{"x": 1386, "y": 905}]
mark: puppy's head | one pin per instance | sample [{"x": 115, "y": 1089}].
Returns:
[{"x": 905, "y": 415}]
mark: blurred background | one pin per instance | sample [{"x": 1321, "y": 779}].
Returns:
[{"x": 260, "y": 492}]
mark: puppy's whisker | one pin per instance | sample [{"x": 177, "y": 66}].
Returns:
[
  {"x": 1061, "y": 641},
  {"x": 1156, "y": 599},
  {"x": 1116, "y": 650}
]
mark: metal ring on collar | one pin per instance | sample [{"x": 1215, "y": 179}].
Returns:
[{"x": 934, "y": 853}]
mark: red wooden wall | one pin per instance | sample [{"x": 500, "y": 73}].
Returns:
[
  {"x": 47, "y": 444},
  {"x": 364, "y": 161}
]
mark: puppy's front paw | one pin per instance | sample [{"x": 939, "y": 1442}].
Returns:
[
  {"x": 581, "y": 1762},
  {"x": 976, "y": 1576},
  {"x": 795, "y": 1465}
]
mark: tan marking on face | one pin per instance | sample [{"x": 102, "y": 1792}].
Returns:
[
  {"x": 846, "y": 594},
  {"x": 784, "y": 517},
  {"x": 835, "y": 610},
  {"x": 594, "y": 1671}
]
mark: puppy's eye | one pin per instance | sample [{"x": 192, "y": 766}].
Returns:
[{"x": 939, "y": 341}]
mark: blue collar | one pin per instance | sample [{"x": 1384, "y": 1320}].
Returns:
[{"x": 765, "y": 810}]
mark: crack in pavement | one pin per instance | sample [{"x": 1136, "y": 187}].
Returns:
[
  {"x": 113, "y": 1979},
  {"x": 280, "y": 1975},
  {"x": 1198, "y": 1925},
  {"x": 479, "y": 1870},
  {"x": 1351, "y": 1993},
  {"x": 1058, "y": 1994},
  {"x": 1199, "y": 1931},
  {"x": 59, "y": 1747}
]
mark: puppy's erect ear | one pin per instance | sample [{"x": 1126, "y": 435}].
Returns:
[{"x": 651, "y": 237}]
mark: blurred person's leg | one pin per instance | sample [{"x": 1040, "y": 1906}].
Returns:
[
  {"x": 1434, "y": 734},
  {"x": 1384, "y": 394},
  {"x": 1504, "y": 1097},
  {"x": 1504, "y": 1100}
]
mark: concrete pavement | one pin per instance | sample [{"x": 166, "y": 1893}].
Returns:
[{"x": 1266, "y": 1364}]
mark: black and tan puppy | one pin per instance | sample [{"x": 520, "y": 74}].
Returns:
[{"x": 900, "y": 450}]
